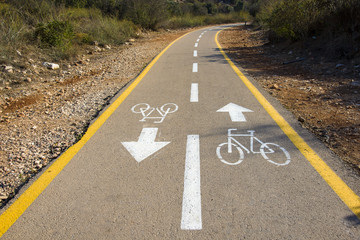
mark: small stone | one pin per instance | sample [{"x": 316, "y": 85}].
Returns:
[
  {"x": 301, "y": 119},
  {"x": 339, "y": 65},
  {"x": 131, "y": 40},
  {"x": 8, "y": 69},
  {"x": 3, "y": 196},
  {"x": 97, "y": 49},
  {"x": 275, "y": 86},
  {"x": 51, "y": 65},
  {"x": 355, "y": 83},
  {"x": 107, "y": 47},
  {"x": 19, "y": 53},
  {"x": 27, "y": 80}
]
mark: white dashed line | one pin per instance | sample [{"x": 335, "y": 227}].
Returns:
[
  {"x": 196, "y": 45},
  {"x": 195, "y": 53},
  {"x": 195, "y": 67},
  {"x": 194, "y": 95}
]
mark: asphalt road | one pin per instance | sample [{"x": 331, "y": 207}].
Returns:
[{"x": 188, "y": 151}]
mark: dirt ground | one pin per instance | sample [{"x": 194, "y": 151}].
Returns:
[
  {"x": 321, "y": 91},
  {"x": 45, "y": 111}
]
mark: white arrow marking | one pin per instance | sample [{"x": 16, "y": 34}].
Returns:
[
  {"x": 235, "y": 111},
  {"x": 146, "y": 144}
]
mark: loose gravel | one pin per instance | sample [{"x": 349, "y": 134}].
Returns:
[{"x": 51, "y": 109}]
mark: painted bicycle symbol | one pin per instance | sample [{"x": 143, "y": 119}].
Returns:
[
  {"x": 148, "y": 112},
  {"x": 271, "y": 152}
]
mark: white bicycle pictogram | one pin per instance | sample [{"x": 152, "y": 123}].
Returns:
[
  {"x": 148, "y": 112},
  {"x": 268, "y": 150}
]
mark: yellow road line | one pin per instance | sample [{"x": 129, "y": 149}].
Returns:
[
  {"x": 9, "y": 217},
  {"x": 335, "y": 182}
]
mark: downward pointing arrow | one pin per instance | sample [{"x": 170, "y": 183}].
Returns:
[
  {"x": 146, "y": 145},
  {"x": 235, "y": 111}
]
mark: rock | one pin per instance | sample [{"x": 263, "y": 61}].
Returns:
[
  {"x": 51, "y": 65},
  {"x": 355, "y": 83},
  {"x": 97, "y": 49},
  {"x": 131, "y": 40},
  {"x": 339, "y": 65},
  {"x": 301, "y": 119},
  {"x": 107, "y": 47},
  {"x": 8, "y": 69},
  {"x": 27, "y": 80},
  {"x": 3, "y": 196},
  {"x": 290, "y": 52},
  {"x": 275, "y": 86},
  {"x": 19, "y": 53}
]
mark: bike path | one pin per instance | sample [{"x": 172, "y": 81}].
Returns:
[{"x": 183, "y": 190}]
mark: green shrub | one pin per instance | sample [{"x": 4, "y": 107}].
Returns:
[
  {"x": 147, "y": 13},
  {"x": 110, "y": 30},
  {"x": 55, "y": 34},
  {"x": 193, "y": 21},
  {"x": 12, "y": 27},
  {"x": 34, "y": 12}
]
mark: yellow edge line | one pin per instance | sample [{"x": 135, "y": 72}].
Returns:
[
  {"x": 336, "y": 183},
  {"x": 9, "y": 217}
]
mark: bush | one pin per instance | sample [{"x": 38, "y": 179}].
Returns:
[
  {"x": 34, "y": 12},
  {"x": 12, "y": 27},
  {"x": 146, "y": 13},
  {"x": 193, "y": 21},
  {"x": 55, "y": 34}
]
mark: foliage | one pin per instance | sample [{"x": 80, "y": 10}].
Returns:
[
  {"x": 297, "y": 19},
  {"x": 55, "y": 34},
  {"x": 193, "y": 21},
  {"x": 61, "y": 25},
  {"x": 12, "y": 27},
  {"x": 146, "y": 13}
]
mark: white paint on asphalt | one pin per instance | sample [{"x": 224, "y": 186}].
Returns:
[
  {"x": 145, "y": 146},
  {"x": 271, "y": 152},
  {"x": 149, "y": 112},
  {"x": 235, "y": 111},
  {"x": 191, "y": 206},
  {"x": 195, "y": 53},
  {"x": 195, "y": 67},
  {"x": 194, "y": 96},
  {"x": 196, "y": 45},
  {"x": 198, "y": 40}
]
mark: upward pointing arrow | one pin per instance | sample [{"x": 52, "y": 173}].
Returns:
[
  {"x": 235, "y": 111},
  {"x": 146, "y": 145}
]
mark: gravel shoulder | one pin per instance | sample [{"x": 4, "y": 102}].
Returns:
[
  {"x": 323, "y": 93},
  {"x": 43, "y": 112}
]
